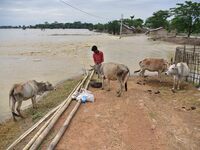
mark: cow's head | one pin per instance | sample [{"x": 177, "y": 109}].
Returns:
[
  {"x": 172, "y": 70},
  {"x": 45, "y": 86},
  {"x": 166, "y": 66},
  {"x": 96, "y": 68}
]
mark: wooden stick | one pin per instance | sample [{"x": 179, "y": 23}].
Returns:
[
  {"x": 67, "y": 121},
  {"x": 40, "y": 137},
  {"x": 36, "y": 125}
]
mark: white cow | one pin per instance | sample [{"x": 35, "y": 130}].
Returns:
[
  {"x": 24, "y": 91},
  {"x": 178, "y": 71},
  {"x": 113, "y": 71}
]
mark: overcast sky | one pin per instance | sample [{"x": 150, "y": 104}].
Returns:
[{"x": 20, "y": 12}]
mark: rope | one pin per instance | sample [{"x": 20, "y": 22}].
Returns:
[{"x": 95, "y": 16}]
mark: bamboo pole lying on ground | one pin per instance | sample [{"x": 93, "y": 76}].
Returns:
[
  {"x": 48, "y": 121},
  {"x": 67, "y": 121},
  {"x": 59, "y": 112},
  {"x": 37, "y": 124},
  {"x": 32, "y": 128}
]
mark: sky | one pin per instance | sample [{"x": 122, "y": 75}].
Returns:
[{"x": 31, "y": 12}]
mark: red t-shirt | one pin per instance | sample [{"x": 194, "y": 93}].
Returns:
[{"x": 98, "y": 57}]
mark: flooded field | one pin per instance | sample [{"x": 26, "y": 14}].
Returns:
[{"x": 55, "y": 55}]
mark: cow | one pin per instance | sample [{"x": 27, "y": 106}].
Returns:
[
  {"x": 178, "y": 71},
  {"x": 24, "y": 91},
  {"x": 152, "y": 64},
  {"x": 113, "y": 71}
]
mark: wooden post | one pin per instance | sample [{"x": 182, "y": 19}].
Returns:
[
  {"x": 184, "y": 53},
  {"x": 121, "y": 26}
]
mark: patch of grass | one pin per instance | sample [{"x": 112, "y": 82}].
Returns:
[
  {"x": 10, "y": 130},
  {"x": 152, "y": 115}
]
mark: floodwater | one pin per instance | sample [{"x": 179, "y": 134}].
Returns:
[{"x": 55, "y": 55}]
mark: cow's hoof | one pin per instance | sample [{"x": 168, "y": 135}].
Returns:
[
  {"x": 173, "y": 90},
  {"x": 118, "y": 95},
  {"x": 35, "y": 107},
  {"x": 22, "y": 116}
]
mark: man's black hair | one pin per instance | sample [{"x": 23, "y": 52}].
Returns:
[{"x": 94, "y": 48}]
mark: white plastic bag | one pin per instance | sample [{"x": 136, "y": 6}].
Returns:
[{"x": 85, "y": 95}]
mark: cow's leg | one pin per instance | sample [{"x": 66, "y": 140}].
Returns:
[
  {"x": 102, "y": 83},
  {"x": 159, "y": 75},
  {"x": 34, "y": 102},
  {"x": 108, "y": 81},
  {"x": 13, "y": 109},
  {"x": 174, "y": 83},
  {"x": 142, "y": 72},
  {"x": 19, "y": 104},
  {"x": 178, "y": 84},
  {"x": 119, "y": 91}
]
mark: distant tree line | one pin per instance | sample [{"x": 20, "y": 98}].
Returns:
[{"x": 184, "y": 18}]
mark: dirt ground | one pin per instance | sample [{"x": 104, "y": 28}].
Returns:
[{"x": 149, "y": 116}]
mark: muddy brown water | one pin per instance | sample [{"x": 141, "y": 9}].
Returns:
[{"x": 55, "y": 55}]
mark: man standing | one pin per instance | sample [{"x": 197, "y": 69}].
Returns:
[{"x": 97, "y": 55}]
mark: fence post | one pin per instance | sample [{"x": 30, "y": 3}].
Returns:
[{"x": 184, "y": 53}]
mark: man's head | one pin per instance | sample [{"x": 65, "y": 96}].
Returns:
[{"x": 95, "y": 49}]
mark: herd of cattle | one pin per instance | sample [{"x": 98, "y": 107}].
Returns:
[{"x": 109, "y": 71}]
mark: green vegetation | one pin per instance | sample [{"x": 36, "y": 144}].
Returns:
[
  {"x": 159, "y": 19},
  {"x": 185, "y": 18}
]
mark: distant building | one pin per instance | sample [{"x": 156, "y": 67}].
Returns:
[
  {"x": 131, "y": 29},
  {"x": 160, "y": 33}
]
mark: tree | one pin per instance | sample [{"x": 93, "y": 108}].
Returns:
[
  {"x": 113, "y": 27},
  {"x": 138, "y": 22},
  {"x": 186, "y": 17},
  {"x": 159, "y": 19},
  {"x": 133, "y": 22}
]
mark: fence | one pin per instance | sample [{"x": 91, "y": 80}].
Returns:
[{"x": 190, "y": 55}]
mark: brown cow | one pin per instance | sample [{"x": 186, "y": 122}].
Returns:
[
  {"x": 153, "y": 64},
  {"x": 24, "y": 91}
]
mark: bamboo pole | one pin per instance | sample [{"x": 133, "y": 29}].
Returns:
[
  {"x": 46, "y": 124},
  {"x": 37, "y": 124},
  {"x": 67, "y": 121},
  {"x": 40, "y": 137},
  {"x": 32, "y": 128}
]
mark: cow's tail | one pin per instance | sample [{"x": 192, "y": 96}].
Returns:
[
  {"x": 126, "y": 79},
  {"x": 12, "y": 101},
  {"x": 140, "y": 63},
  {"x": 137, "y": 71}
]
